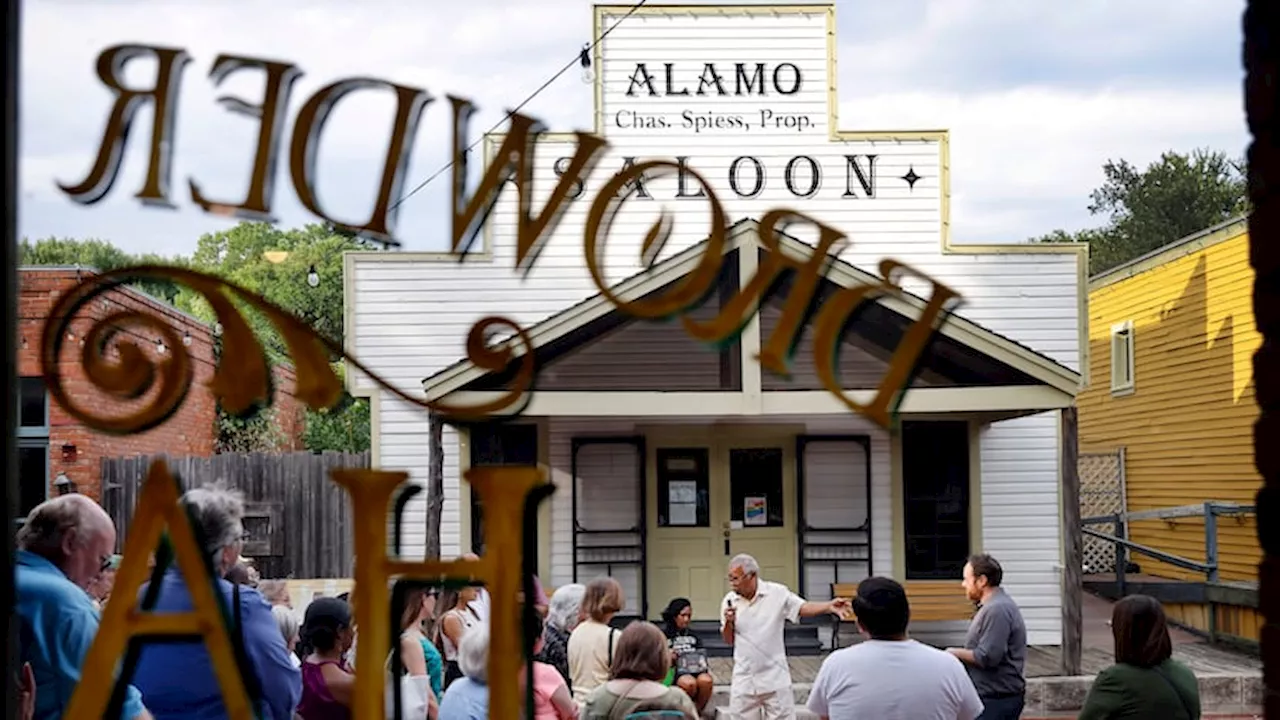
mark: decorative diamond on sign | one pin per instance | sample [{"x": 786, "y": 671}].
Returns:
[{"x": 911, "y": 177}]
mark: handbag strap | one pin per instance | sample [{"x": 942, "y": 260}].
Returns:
[
  {"x": 1186, "y": 706},
  {"x": 251, "y": 685},
  {"x": 611, "y": 633}
]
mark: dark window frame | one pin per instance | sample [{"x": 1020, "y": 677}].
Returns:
[
  {"x": 701, "y": 475},
  {"x": 931, "y": 534},
  {"x": 33, "y": 437},
  {"x": 476, "y": 443}
]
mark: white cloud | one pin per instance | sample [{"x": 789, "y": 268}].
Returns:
[
  {"x": 1013, "y": 153},
  {"x": 1037, "y": 96}
]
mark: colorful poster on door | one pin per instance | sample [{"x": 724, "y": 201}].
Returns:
[{"x": 756, "y": 511}]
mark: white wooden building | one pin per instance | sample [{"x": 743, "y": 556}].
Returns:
[{"x": 670, "y": 455}]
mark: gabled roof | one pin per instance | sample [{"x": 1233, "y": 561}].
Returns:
[{"x": 745, "y": 233}]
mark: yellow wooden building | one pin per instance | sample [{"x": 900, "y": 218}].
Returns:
[{"x": 1171, "y": 338}]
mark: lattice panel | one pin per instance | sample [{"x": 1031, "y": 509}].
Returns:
[{"x": 1100, "y": 494}]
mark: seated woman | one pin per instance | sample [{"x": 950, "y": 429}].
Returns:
[
  {"x": 640, "y": 663},
  {"x": 467, "y": 698},
  {"x": 1146, "y": 683},
  {"x": 687, "y": 654},
  {"x": 327, "y": 682}
]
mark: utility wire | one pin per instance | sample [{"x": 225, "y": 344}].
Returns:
[{"x": 517, "y": 108}]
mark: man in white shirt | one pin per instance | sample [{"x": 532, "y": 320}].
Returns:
[
  {"x": 752, "y": 617},
  {"x": 889, "y": 676}
]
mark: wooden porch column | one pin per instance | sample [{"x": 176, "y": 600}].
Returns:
[
  {"x": 435, "y": 484},
  {"x": 1262, "y": 70},
  {"x": 1072, "y": 546}
]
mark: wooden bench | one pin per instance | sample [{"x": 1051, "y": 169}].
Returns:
[{"x": 930, "y": 600}]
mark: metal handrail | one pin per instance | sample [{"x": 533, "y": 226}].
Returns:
[{"x": 1210, "y": 511}]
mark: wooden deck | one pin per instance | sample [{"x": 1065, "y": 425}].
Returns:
[{"x": 1200, "y": 656}]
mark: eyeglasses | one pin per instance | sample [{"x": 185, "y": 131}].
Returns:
[
  {"x": 244, "y": 536},
  {"x": 105, "y": 564}
]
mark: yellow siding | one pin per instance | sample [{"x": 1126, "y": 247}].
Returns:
[
  {"x": 1187, "y": 427},
  {"x": 1240, "y": 622}
]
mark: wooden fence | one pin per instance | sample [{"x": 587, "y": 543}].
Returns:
[{"x": 298, "y": 520}]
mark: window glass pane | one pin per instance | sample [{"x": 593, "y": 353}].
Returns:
[
  {"x": 32, "y": 399},
  {"x": 755, "y": 481},
  {"x": 684, "y": 493},
  {"x": 33, "y": 476},
  {"x": 935, "y": 474}
]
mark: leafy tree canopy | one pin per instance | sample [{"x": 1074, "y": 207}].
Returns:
[
  {"x": 1175, "y": 196},
  {"x": 272, "y": 262}
]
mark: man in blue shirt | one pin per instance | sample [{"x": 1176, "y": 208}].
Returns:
[
  {"x": 177, "y": 678},
  {"x": 63, "y": 547}
]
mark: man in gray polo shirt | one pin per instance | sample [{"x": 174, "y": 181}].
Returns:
[{"x": 995, "y": 650}]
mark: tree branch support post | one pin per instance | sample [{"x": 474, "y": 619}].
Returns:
[
  {"x": 435, "y": 484},
  {"x": 1072, "y": 545}
]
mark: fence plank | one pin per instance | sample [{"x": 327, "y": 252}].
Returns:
[{"x": 307, "y": 534}]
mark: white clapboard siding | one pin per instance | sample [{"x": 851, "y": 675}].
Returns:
[{"x": 1020, "y": 518}]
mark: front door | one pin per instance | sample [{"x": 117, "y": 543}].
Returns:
[{"x": 709, "y": 501}]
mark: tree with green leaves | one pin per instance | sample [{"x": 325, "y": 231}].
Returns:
[
  {"x": 299, "y": 270},
  {"x": 1175, "y": 196},
  {"x": 93, "y": 254}
]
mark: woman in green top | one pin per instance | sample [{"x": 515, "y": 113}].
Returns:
[
  {"x": 418, "y": 655},
  {"x": 640, "y": 662},
  {"x": 1146, "y": 683}
]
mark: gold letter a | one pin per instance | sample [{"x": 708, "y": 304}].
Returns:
[{"x": 157, "y": 509}]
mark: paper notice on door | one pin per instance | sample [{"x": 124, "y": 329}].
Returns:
[
  {"x": 682, "y": 491},
  {"x": 683, "y": 514},
  {"x": 756, "y": 511}
]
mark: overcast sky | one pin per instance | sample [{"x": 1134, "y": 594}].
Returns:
[{"x": 1037, "y": 96}]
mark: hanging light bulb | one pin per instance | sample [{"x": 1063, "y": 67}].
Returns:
[
  {"x": 313, "y": 277},
  {"x": 24, "y": 342},
  {"x": 160, "y": 346},
  {"x": 186, "y": 338},
  {"x": 217, "y": 329},
  {"x": 584, "y": 59}
]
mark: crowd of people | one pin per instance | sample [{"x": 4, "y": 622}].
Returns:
[{"x": 584, "y": 666}]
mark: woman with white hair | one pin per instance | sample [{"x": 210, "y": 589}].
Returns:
[
  {"x": 563, "y": 615},
  {"x": 288, "y": 623},
  {"x": 177, "y": 679},
  {"x": 468, "y": 697}
]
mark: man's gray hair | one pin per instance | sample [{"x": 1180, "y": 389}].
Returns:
[
  {"x": 50, "y": 521},
  {"x": 473, "y": 653},
  {"x": 565, "y": 606},
  {"x": 747, "y": 563},
  {"x": 217, "y": 513},
  {"x": 288, "y": 622}
]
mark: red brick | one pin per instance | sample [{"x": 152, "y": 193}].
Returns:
[{"x": 190, "y": 431}]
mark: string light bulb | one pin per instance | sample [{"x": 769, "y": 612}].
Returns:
[
  {"x": 24, "y": 342},
  {"x": 313, "y": 277},
  {"x": 186, "y": 338},
  {"x": 584, "y": 59},
  {"x": 160, "y": 345}
]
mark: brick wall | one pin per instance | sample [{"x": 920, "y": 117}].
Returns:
[{"x": 189, "y": 431}]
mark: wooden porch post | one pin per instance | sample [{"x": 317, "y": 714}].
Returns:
[
  {"x": 1072, "y": 546},
  {"x": 435, "y": 484},
  {"x": 1261, "y": 58}
]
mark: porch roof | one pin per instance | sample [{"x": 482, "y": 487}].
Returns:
[{"x": 597, "y": 314}]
